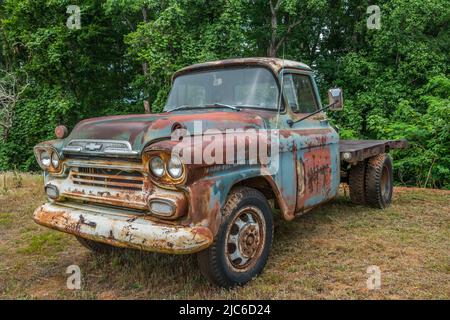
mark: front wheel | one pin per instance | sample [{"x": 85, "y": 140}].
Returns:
[{"x": 241, "y": 247}]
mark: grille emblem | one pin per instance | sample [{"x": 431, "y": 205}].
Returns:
[{"x": 93, "y": 146}]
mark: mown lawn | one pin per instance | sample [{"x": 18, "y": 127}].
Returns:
[{"x": 322, "y": 255}]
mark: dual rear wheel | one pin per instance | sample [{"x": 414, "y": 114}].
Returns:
[{"x": 371, "y": 182}]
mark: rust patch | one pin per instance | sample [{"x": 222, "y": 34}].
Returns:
[
  {"x": 317, "y": 174},
  {"x": 144, "y": 235}
]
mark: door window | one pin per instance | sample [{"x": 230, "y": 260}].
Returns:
[{"x": 299, "y": 93}]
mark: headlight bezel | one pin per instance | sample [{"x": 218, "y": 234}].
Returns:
[
  {"x": 51, "y": 167},
  {"x": 166, "y": 179}
]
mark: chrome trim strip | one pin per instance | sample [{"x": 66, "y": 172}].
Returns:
[
  {"x": 72, "y": 149},
  {"x": 119, "y": 151},
  {"x": 103, "y": 144},
  {"x": 93, "y": 164}
]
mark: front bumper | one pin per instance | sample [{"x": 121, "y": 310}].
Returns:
[{"x": 117, "y": 228}]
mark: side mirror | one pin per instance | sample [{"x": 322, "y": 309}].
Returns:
[{"x": 335, "y": 96}]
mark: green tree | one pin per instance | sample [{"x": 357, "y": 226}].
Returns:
[{"x": 395, "y": 79}]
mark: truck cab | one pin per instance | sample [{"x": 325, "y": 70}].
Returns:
[{"x": 237, "y": 139}]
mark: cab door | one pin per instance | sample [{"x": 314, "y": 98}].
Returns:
[{"x": 316, "y": 143}]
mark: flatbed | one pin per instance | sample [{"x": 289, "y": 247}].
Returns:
[{"x": 353, "y": 151}]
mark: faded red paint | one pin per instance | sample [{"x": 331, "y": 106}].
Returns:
[{"x": 316, "y": 174}]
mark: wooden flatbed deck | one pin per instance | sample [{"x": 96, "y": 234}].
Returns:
[{"x": 360, "y": 150}]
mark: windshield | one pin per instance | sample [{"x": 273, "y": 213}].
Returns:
[{"x": 250, "y": 87}]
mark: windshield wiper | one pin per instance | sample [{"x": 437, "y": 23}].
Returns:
[
  {"x": 222, "y": 105},
  {"x": 185, "y": 107},
  {"x": 213, "y": 105}
]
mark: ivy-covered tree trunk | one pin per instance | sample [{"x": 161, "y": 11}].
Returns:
[
  {"x": 11, "y": 90},
  {"x": 147, "y": 104}
]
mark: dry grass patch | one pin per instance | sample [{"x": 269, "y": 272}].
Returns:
[{"x": 321, "y": 255}]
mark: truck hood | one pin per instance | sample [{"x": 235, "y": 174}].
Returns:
[{"x": 140, "y": 130}]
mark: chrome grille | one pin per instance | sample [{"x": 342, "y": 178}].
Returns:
[
  {"x": 100, "y": 147},
  {"x": 107, "y": 178}
]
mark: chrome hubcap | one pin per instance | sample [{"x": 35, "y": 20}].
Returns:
[{"x": 245, "y": 237}]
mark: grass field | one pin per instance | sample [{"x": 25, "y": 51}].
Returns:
[{"x": 322, "y": 255}]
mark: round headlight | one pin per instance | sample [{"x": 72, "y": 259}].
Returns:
[
  {"x": 175, "y": 167},
  {"x": 157, "y": 166},
  {"x": 55, "y": 160},
  {"x": 45, "y": 158}
]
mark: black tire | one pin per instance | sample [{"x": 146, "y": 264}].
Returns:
[
  {"x": 356, "y": 183},
  {"x": 95, "y": 246},
  {"x": 241, "y": 247},
  {"x": 379, "y": 181}
]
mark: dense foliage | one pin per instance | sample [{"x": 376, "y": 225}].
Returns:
[{"x": 395, "y": 78}]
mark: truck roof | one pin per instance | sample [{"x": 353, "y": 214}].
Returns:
[{"x": 274, "y": 64}]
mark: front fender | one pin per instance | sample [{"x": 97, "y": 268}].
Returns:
[{"x": 209, "y": 194}]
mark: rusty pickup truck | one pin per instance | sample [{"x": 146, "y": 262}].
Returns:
[{"x": 169, "y": 183}]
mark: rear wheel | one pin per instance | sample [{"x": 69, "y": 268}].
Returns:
[
  {"x": 356, "y": 183},
  {"x": 95, "y": 246},
  {"x": 241, "y": 247},
  {"x": 379, "y": 181}
]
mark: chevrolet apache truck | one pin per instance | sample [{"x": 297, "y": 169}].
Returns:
[{"x": 115, "y": 181}]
